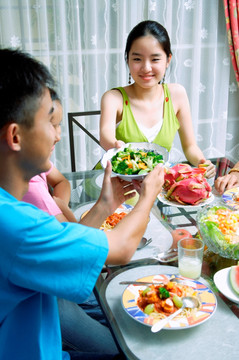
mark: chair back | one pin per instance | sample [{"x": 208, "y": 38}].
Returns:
[{"x": 85, "y": 149}]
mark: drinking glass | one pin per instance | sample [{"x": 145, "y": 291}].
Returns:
[{"x": 190, "y": 255}]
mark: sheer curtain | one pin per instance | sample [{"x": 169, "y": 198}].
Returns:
[{"x": 83, "y": 41}]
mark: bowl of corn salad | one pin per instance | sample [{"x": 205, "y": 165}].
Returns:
[{"x": 219, "y": 228}]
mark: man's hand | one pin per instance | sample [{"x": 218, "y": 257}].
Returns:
[
  {"x": 152, "y": 184},
  {"x": 114, "y": 190}
]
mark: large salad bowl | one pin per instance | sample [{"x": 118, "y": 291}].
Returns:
[{"x": 222, "y": 241}]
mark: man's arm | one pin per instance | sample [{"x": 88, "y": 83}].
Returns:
[{"x": 125, "y": 237}]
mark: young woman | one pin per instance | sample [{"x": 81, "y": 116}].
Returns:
[{"x": 149, "y": 110}]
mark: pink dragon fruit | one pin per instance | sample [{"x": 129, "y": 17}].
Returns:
[{"x": 186, "y": 185}]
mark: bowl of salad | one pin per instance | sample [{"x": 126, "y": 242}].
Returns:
[
  {"x": 135, "y": 160},
  {"x": 219, "y": 228}
]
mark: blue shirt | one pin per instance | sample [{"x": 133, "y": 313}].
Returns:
[{"x": 41, "y": 259}]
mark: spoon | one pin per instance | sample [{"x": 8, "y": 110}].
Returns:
[
  {"x": 188, "y": 302},
  {"x": 144, "y": 242}
]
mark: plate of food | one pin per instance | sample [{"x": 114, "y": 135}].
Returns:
[
  {"x": 223, "y": 283},
  {"x": 219, "y": 228},
  {"x": 135, "y": 160},
  {"x": 231, "y": 198},
  {"x": 148, "y": 304},
  {"x": 185, "y": 186},
  {"x": 111, "y": 220}
]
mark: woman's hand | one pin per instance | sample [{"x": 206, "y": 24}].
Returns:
[
  {"x": 118, "y": 144},
  {"x": 226, "y": 182},
  {"x": 211, "y": 169}
]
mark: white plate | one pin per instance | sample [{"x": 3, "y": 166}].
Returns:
[
  {"x": 142, "y": 145},
  {"x": 163, "y": 199},
  {"x": 222, "y": 282}
]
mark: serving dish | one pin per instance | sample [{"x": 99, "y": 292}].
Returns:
[
  {"x": 164, "y": 200},
  {"x": 141, "y": 146},
  {"x": 222, "y": 282},
  {"x": 210, "y": 222},
  {"x": 207, "y": 298}
]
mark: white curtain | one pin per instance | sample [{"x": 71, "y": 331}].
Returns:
[{"x": 83, "y": 41}]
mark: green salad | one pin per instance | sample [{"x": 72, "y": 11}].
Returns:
[{"x": 135, "y": 161}]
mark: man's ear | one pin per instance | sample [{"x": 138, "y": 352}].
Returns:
[{"x": 13, "y": 137}]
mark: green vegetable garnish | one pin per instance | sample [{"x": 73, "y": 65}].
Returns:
[
  {"x": 177, "y": 301},
  {"x": 146, "y": 291},
  {"x": 148, "y": 309},
  {"x": 163, "y": 293}
]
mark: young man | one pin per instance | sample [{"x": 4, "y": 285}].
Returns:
[{"x": 40, "y": 258}]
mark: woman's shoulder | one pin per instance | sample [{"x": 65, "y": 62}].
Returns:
[
  {"x": 177, "y": 92},
  {"x": 176, "y": 89},
  {"x": 178, "y": 96},
  {"x": 114, "y": 96}
]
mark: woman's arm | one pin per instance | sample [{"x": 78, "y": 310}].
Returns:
[
  {"x": 61, "y": 186},
  {"x": 190, "y": 148},
  {"x": 111, "y": 113}
]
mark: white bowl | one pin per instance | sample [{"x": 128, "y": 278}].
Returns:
[{"x": 142, "y": 145}]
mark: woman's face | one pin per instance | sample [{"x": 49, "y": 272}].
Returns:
[{"x": 147, "y": 61}]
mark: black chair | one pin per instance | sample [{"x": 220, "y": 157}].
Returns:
[{"x": 88, "y": 122}]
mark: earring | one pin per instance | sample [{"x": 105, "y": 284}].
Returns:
[{"x": 129, "y": 82}]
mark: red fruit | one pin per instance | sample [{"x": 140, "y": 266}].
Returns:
[
  {"x": 186, "y": 185},
  {"x": 179, "y": 234}
]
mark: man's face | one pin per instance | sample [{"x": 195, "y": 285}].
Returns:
[{"x": 37, "y": 142}]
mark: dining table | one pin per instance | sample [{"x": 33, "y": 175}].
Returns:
[{"x": 215, "y": 338}]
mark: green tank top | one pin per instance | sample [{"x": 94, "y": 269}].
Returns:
[{"x": 128, "y": 130}]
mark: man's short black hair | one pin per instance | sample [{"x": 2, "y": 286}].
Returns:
[{"x": 23, "y": 80}]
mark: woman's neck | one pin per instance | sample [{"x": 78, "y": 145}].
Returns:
[{"x": 149, "y": 94}]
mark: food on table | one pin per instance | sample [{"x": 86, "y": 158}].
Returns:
[
  {"x": 186, "y": 185},
  {"x": 132, "y": 161},
  {"x": 219, "y": 228},
  {"x": 234, "y": 278},
  {"x": 160, "y": 301},
  {"x": 112, "y": 220},
  {"x": 179, "y": 234}
]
